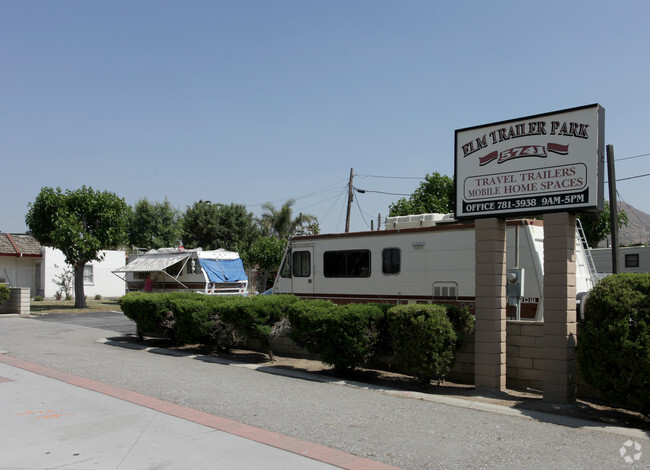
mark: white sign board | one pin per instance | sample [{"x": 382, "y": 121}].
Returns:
[{"x": 545, "y": 163}]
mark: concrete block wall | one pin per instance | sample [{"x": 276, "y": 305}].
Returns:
[
  {"x": 525, "y": 355},
  {"x": 19, "y": 301},
  {"x": 524, "y": 358}
]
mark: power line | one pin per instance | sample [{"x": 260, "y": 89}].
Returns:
[
  {"x": 356, "y": 199},
  {"x": 633, "y": 211},
  {"x": 325, "y": 189},
  {"x": 630, "y": 158},
  {"x": 632, "y": 177},
  {"x": 392, "y": 177},
  {"x": 362, "y": 191}
]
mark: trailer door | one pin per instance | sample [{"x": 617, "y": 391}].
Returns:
[{"x": 302, "y": 271}]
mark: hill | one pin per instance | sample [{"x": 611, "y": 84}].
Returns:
[{"x": 638, "y": 227}]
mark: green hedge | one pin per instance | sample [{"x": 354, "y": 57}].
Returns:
[
  {"x": 421, "y": 340},
  {"x": 4, "y": 293},
  {"x": 344, "y": 336},
  {"x": 151, "y": 312},
  {"x": 259, "y": 318},
  {"x": 215, "y": 321},
  {"x": 424, "y": 341},
  {"x": 614, "y": 340}
]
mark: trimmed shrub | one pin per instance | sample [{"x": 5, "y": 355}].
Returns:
[
  {"x": 463, "y": 323},
  {"x": 192, "y": 319},
  {"x": 37, "y": 298},
  {"x": 423, "y": 339},
  {"x": 260, "y": 318},
  {"x": 614, "y": 340},
  {"x": 344, "y": 336},
  {"x": 4, "y": 293},
  {"x": 152, "y": 313},
  {"x": 215, "y": 321}
]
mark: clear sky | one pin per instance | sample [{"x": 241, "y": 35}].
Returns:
[{"x": 251, "y": 101}]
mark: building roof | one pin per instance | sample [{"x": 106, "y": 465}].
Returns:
[{"x": 19, "y": 244}]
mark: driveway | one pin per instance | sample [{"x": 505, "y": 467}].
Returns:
[{"x": 405, "y": 432}]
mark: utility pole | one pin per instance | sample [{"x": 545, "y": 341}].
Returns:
[
  {"x": 350, "y": 195},
  {"x": 613, "y": 206}
]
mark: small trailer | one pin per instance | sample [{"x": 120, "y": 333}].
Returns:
[
  {"x": 632, "y": 259},
  {"x": 215, "y": 272},
  {"x": 426, "y": 258}
]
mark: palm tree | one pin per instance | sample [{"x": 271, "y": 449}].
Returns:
[{"x": 280, "y": 223}]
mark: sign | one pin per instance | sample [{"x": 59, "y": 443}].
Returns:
[{"x": 545, "y": 163}]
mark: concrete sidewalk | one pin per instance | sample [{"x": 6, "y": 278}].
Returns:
[{"x": 51, "y": 419}]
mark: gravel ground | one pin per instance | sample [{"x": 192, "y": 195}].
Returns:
[{"x": 403, "y": 431}]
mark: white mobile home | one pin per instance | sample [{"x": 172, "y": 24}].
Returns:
[
  {"x": 417, "y": 259},
  {"x": 631, "y": 259},
  {"x": 215, "y": 272}
]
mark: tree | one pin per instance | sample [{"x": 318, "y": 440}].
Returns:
[
  {"x": 434, "y": 195},
  {"x": 597, "y": 225},
  {"x": 154, "y": 225},
  {"x": 266, "y": 252},
  {"x": 280, "y": 223},
  {"x": 80, "y": 223},
  {"x": 213, "y": 226}
]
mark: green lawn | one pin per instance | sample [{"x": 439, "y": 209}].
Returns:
[{"x": 67, "y": 306}]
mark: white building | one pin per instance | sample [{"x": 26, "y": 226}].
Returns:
[{"x": 25, "y": 263}]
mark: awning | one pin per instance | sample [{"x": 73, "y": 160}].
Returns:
[
  {"x": 145, "y": 263},
  {"x": 224, "y": 270}
]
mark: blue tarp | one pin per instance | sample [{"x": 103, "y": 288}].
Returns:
[{"x": 224, "y": 270}]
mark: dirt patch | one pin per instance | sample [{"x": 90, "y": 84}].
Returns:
[{"x": 519, "y": 399}]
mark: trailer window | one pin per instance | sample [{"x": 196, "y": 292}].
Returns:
[
  {"x": 301, "y": 264},
  {"x": 632, "y": 261},
  {"x": 390, "y": 260},
  {"x": 193, "y": 266},
  {"x": 350, "y": 263},
  {"x": 285, "y": 270}
]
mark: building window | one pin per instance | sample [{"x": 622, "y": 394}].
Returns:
[
  {"x": 390, "y": 260},
  {"x": 88, "y": 275},
  {"x": 301, "y": 264},
  {"x": 350, "y": 263},
  {"x": 632, "y": 261}
]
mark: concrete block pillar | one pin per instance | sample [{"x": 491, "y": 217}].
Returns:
[
  {"x": 560, "y": 320},
  {"x": 18, "y": 302},
  {"x": 490, "y": 307}
]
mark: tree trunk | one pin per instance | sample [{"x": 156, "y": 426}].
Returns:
[
  {"x": 265, "y": 279},
  {"x": 79, "y": 296}
]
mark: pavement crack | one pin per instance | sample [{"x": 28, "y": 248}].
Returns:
[{"x": 135, "y": 442}]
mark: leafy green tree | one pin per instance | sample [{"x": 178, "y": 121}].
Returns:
[
  {"x": 266, "y": 252},
  {"x": 434, "y": 195},
  {"x": 597, "y": 225},
  {"x": 80, "y": 223},
  {"x": 213, "y": 226},
  {"x": 154, "y": 225},
  {"x": 280, "y": 223}
]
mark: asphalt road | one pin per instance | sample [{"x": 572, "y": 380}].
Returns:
[{"x": 405, "y": 432}]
